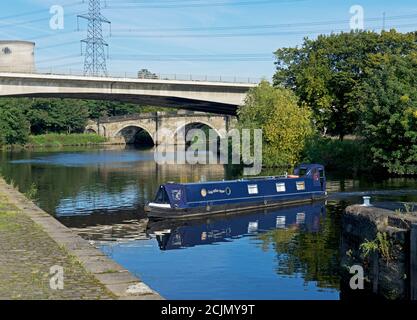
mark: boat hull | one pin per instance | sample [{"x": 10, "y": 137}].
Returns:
[{"x": 197, "y": 212}]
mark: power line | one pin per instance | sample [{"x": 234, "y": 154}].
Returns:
[
  {"x": 183, "y": 4},
  {"x": 58, "y": 58},
  {"x": 196, "y": 57},
  {"x": 264, "y": 26},
  {"x": 185, "y": 57},
  {"x": 35, "y": 12},
  {"x": 249, "y": 34},
  {"x": 179, "y": 57}
]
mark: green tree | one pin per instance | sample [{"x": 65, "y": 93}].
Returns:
[
  {"x": 52, "y": 115},
  {"x": 387, "y": 99},
  {"x": 14, "y": 128},
  {"x": 58, "y": 115},
  {"x": 284, "y": 123},
  {"x": 324, "y": 73},
  {"x": 113, "y": 108}
]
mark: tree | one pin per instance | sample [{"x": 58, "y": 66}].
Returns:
[
  {"x": 387, "y": 99},
  {"x": 285, "y": 124},
  {"x": 58, "y": 115},
  {"x": 14, "y": 128},
  {"x": 324, "y": 73}
]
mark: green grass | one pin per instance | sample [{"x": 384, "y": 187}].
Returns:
[
  {"x": 60, "y": 140},
  {"x": 7, "y": 220}
]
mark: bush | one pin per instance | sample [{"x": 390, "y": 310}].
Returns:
[
  {"x": 351, "y": 156},
  {"x": 14, "y": 128}
]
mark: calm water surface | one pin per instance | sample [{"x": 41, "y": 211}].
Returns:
[{"x": 287, "y": 253}]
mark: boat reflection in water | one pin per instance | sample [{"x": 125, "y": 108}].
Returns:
[
  {"x": 172, "y": 234},
  {"x": 282, "y": 253}
]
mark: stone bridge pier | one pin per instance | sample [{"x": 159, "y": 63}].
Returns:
[{"x": 159, "y": 127}]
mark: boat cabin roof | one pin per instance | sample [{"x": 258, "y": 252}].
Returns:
[{"x": 305, "y": 167}]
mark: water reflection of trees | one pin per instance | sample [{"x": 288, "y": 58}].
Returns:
[
  {"x": 95, "y": 182},
  {"x": 314, "y": 255}
]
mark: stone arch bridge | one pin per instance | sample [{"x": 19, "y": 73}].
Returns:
[{"x": 124, "y": 129}]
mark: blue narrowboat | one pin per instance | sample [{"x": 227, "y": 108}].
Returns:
[{"x": 183, "y": 200}]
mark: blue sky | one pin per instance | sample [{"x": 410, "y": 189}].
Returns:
[{"x": 201, "y": 37}]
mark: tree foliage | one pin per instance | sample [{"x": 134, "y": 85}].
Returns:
[
  {"x": 57, "y": 116},
  {"x": 387, "y": 100},
  {"x": 14, "y": 127},
  {"x": 20, "y": 117},
  {"x": 285, "y": 124},
  {"x": 325, "y": 72}
]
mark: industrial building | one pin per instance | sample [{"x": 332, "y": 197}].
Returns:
[{"x": 17, "y": 56}]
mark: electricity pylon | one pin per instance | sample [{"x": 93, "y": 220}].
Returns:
[{"x": 95, "y": 57}]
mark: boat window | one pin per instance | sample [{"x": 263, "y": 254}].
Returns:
[
  {"x": 280, "y": 187},
  {"x": 281, "y": 222},
  {"x": 300, "y": 218},
  {"x": 302, "y": 172},
  {"x": 253, "y": 189},
  {"x": 162, "y": 196},
  {"x": 321, "y": 173},
  {"x": 301, "y": 185}
]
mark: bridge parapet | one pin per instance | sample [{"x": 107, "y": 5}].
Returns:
[
  {"x": 215, "y": 97},
  {"x": 152, "y": 115}
]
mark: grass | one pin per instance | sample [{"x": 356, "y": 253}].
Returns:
[
  {"x": 7, "y": 221},
  {"x": 32, "y": 192},
  {"x": 61, "y": 140},
  {"x": 380, "y": 244}
]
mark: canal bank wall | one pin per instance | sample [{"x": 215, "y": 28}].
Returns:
[
  {"x": 384, "y": 243},
  {"x": 33, "y": 244}
]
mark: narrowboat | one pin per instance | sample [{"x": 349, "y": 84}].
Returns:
[{"x": 184, "y": 200}]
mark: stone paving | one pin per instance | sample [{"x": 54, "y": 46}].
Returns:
[
  {"x": 26, "y": 255},
  {"x": 31, "y": 242}
]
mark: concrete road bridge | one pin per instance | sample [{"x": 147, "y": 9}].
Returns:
[
  {"x": 212, "y": 97},
  {"x": 129, "y": 129}
]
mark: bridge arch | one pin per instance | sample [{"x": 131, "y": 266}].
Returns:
[
  {"x": 194, "y": 123},
  {"x": 197, "y": 124},
  {"x": 135, "y": 134},
  {"x": 91, "y": 130}
]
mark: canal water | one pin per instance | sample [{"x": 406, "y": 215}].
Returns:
[{"x": 286, "y": 253}]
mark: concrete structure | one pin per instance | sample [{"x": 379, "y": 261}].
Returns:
[
  {"x": 86, "y": 261},
  {"x": 391, "y": 268},
  {"x": 124, "y": 129},
  {"x": 17, "y": 56},
  {"x": 213, "y": 97}
]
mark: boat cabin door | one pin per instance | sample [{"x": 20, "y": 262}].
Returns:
[
  {"x": 322, "y": 179},
  {"x": 319, "y": 177}
]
